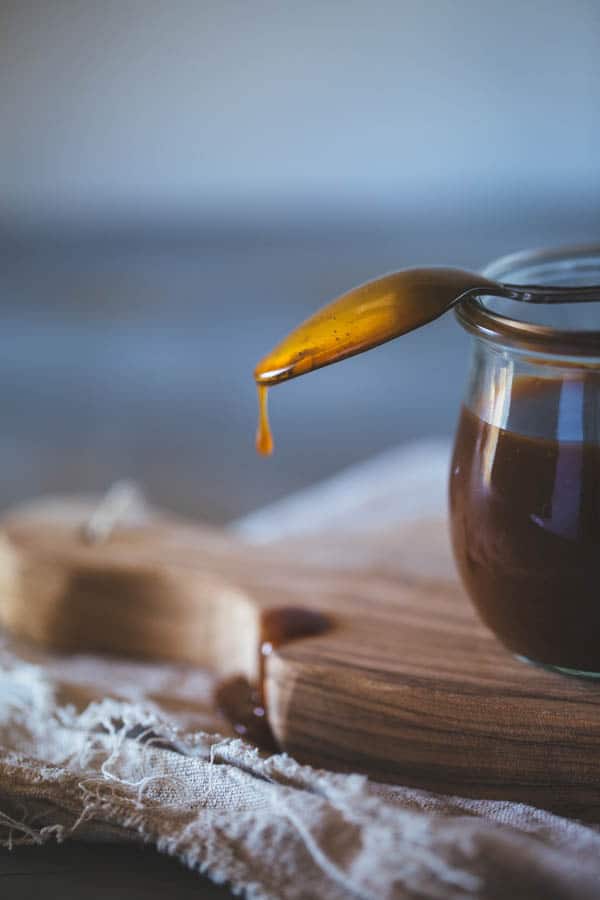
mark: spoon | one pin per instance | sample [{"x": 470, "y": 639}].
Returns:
[
  {"x": 379, "y": 311},
  {"x": 387, "y": 307}
]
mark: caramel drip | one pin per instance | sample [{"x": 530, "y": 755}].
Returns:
[
  {"x": 242, "y": 706},
  {"x": 245, "y": 705},
  {"x": 264, "y": 438},
  {"x": 363, "y": 318}
]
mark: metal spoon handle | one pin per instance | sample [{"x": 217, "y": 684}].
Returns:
[{"x": 539, "y": 293}]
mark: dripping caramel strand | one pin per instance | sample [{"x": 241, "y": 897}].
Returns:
[{"x": 264, "y": 438}]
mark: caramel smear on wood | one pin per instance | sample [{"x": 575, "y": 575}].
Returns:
[{"x": 245, "y": 705}]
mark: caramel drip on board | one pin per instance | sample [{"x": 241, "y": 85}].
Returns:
[
  {"x": 244, "y": 704},
  {"x": 243, "y": 707},
  {"x": 365, "y": 317}
]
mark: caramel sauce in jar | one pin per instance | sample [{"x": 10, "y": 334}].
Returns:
[{"x": 525, "y": 519}]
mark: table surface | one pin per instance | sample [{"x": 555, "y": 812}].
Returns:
[
  {"x": 74, "y": 870},
  {"x": 131, "y": 355}
]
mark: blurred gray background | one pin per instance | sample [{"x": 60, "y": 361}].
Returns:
[{"x": 182, "y": 182}]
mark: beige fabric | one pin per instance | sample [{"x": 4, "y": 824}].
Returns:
[
  {"x": 136, "y": 769},
  {"x": 99, "y": 749}
]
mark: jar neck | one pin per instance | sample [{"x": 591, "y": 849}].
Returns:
[{"x": 563, "y": 330}]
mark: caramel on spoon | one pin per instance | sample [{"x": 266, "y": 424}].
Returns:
[{"x": 378, "y": 311}]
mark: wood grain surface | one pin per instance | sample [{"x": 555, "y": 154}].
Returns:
[{"x": 405, "y": 684}]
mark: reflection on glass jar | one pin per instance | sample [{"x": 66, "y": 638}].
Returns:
[{"x": 525, "y": 476}]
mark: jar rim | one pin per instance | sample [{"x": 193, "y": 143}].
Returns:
[{"x": 477, "y": 318}]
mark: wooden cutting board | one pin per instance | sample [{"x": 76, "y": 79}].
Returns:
[{"x": 389, "y": 672}]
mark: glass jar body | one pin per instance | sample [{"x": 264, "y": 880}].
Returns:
[{"x": 525, "y": 502}]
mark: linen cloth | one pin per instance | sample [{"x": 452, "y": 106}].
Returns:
[{"x": 93, "y": 748}]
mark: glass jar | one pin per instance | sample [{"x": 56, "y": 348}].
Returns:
[{"x": 525, "y": 476}]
